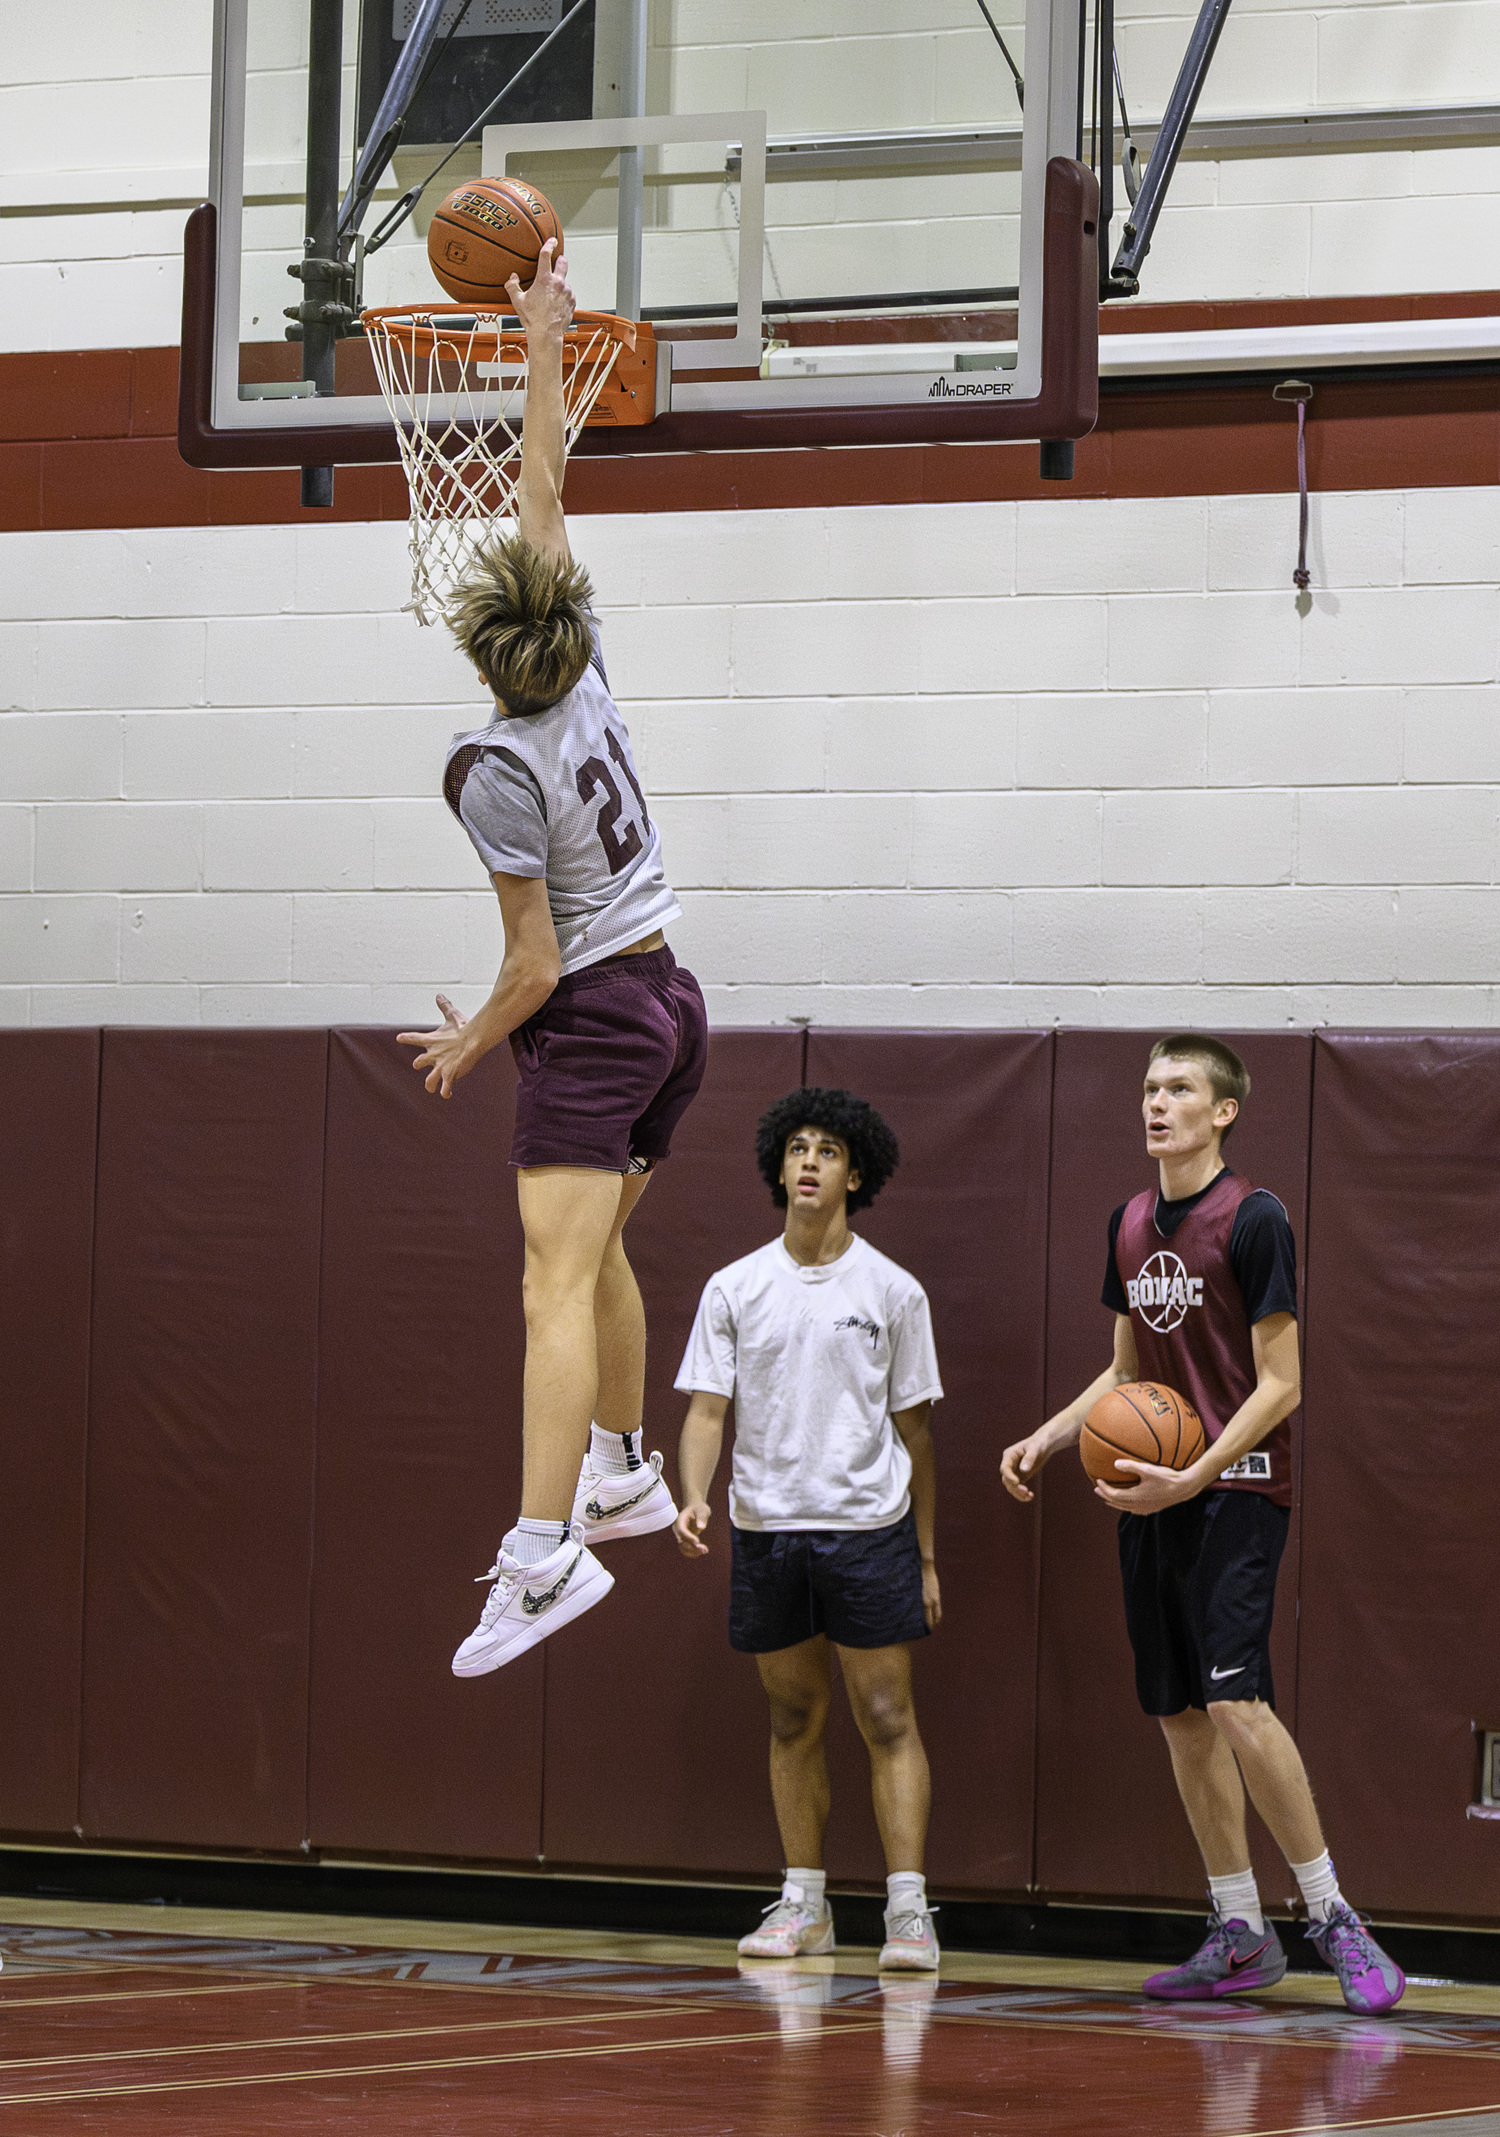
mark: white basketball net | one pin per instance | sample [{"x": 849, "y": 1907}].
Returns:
[{"x": 454, "y": 385}]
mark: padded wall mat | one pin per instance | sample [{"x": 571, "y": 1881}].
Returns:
[
  {"x": 967, "y": 1214},
  {"x": 201, "y": 1437},
  {"x": 656, "y": 1729},
  {"x": 419, "y": 1465},
  {"x": 49, "y": 1098},
  {"x": 1400, "y": 1599},
  {"x": 1108, "y": 1818}
]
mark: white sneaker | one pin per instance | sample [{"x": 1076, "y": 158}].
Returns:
[
  {"x": 634, "y": 1502},
  {"x": 791, "y": 1929},
  {"x": 529, "y": 1602},
  {"x": 910, "y": 1941}
]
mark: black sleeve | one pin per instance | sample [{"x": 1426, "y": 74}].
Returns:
[
  {"x": 1113, "y": 1294},
  {"x": 1263, "y": 1256}
]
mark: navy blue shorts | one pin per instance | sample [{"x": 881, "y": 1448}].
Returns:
[
  {"x": 860, "y": 1587},
  {"x": 1200, "y": 1583}
]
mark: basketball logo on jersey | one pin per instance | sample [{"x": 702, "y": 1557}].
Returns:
[{"x": 1163, "y": 1292}]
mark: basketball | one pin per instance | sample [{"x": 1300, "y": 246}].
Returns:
[
  {"x": 487, "y": 230},
  {"x": 1145, "y": 1421}
]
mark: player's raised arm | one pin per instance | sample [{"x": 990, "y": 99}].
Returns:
[{"x": 545, "y": 311}]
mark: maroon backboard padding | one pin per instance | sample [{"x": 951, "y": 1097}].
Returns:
[
  {"x": 656, "y": 1729},
  {"x": 49, "y": 1099},
  {"x": 967, "y": 1214},
  {"x": 1400, "y": 1602},
  {"x": 419, "y": 1465},
  {"x": 200, "y": 1469},
  {"x": 1108, "y": 1819}
]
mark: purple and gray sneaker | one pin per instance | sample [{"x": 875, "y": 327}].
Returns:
[
  {"x": 1232, "y": 1958},
  {"x": 1371, "y": 1981}
]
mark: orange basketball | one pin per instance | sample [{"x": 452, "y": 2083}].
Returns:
[
  {"x": 487, "y": 230},
  {"x": 1148, "y": 1422}
]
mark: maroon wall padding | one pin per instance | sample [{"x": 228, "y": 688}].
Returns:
[
  {"x": 656, "y": 1729},
  {"x": 967, "y": 1214},
  {"x": 1400, "y": 1601},
  {"x": 419, "y": 1466},
  {"x": 1108, "y": 1818},
  {"x": 199, "y": 1542},
  {"x": 49, "y": 1099}
]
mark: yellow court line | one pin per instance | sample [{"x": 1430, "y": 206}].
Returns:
[
  {"x": 219, "y": 1988},
  {"x": 1377, "y": 2122},
  {"x": 462, "y": 2062},
  {"x": 1021, "y": 2023},
  {"x": 324, "y": 2040}
]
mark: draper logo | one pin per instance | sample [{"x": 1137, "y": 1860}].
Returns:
[
  {"x": 968, "y": 389},
  {"x": 1163, "y": 1292}
]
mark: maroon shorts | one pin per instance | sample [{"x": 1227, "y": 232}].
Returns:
[{"x": 609, "y": 1064}]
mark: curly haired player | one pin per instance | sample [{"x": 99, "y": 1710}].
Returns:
[
  {"x": 825, "y": 1348},
  {"x": 608, "y": 1032},
  {"x": 1201, "y": 1279}
]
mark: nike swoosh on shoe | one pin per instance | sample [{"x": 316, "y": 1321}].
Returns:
[{"x": 533, "y": 1604}]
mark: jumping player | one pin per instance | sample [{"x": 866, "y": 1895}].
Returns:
[
  {"x": 825, "y": 1348},
  {"x": 1201, "y": 1278},
  {"x": 608, "y": 1032}
]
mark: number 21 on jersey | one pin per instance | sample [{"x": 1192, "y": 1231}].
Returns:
[{"x": 595, "y": 777}]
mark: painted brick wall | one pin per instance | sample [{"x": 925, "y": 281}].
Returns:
[
  {"x": 104, "y": 130},
  {"x": 989, "y": 764}
]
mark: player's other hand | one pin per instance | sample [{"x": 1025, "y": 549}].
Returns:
[
  {"x": 446, "y": 1053},
  {"x": 1021, "y": 1464},
  {"x": 1158, "y": 1489},
  {"x": 688, "y": 1528},
  {"x": 549, "y": 301},
  {"x": 932, "y": 1599}
]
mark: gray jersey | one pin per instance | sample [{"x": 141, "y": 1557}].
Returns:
[{"x": 555, "y": 794}]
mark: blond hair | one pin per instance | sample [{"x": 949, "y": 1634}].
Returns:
[
  {"x": 1227, "y": 1075},
  {"x": 522, "y": 617}
]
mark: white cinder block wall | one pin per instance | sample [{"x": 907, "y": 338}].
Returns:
[{"x": 957, "y": 764}]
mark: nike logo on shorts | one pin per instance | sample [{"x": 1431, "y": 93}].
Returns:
[{"x": 1218, "y": 1674}]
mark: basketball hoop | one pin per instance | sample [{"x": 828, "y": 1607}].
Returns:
[{"x": 454, "y": 379}]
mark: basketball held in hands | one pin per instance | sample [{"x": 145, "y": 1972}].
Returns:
[
  {"x": 1145, "y": 1421},
  {"x": 487, "y": 230}
]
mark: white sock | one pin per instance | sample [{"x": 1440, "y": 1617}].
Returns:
[
  {"x": 1238, "y": 1900},
  {"x": 1318, "y": 1883},
  {"x": 905, "y": 1891},
  {"x": 529, "y": 1542},
  {"x": 614, "y": 1454},
  {"x": 807, "y": 1886}
]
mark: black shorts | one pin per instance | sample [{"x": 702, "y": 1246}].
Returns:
[
  {"x": 1200, "y": 1583},
  {"x": 861, "y": 1587}
]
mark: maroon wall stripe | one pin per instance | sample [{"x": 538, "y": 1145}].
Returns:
[{"x": 90, "y": 442}]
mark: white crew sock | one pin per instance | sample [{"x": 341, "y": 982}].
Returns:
[
  {"x": 1318, "y": 1882},
  {"x": 905, "y": 1891},
  {"x": 614, "y": 1454},
  {"x": 529, "y": 1542},
  {"x": 806, "y": 1885},
  {"x": 1238, "y": 1900}
]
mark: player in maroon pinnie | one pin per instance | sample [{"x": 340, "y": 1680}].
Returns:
[{"x": 1201, "y": 1278}]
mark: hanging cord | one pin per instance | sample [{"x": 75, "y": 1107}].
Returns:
[
  {"x": 1000, "y": 41},
  {"x": 1298, "y": 390},
  {"x": 1130, "y": 155}
]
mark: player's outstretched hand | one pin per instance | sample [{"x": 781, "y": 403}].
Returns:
[
  {"x": 1021, "y": 1464},
  {"x": 549, "y": 301},
  {"x": 447, "y": 1053},
  {"x": 688, "y": 1528}
]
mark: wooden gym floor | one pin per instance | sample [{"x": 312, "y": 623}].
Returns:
[{"x": 202, "y": 2024}]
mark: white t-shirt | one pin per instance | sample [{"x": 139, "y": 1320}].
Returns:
[{"x": 816, "y": 1361}]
